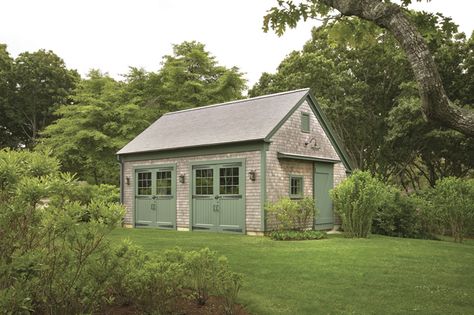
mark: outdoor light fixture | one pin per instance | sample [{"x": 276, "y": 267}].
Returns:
[
  {"x": 181, "y": 178},
  {"x": 252, "y": 175},
  {"x": 127, "y": 180},
  {"x": 315, "y": 146}
]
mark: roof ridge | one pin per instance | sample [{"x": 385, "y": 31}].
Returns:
[{"x": 236, "y": 101}]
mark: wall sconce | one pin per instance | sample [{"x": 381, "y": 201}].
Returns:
[
  {"x": 252, "y": 175},
  {"x": 127, "y": 180},
  {"x": 315, "y": 146},
  {"x": 181, "y": 178}
]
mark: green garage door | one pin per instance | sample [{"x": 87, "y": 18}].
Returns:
[
  {"x": 217, "y": 198},
  {"x": 155, "y": 198},
  {"x": 323, "y": 182}
]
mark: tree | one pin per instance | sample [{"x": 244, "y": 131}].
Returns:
[
  {"x": 90, "y": 131},
  {"x": 191, "y": 77},
  {"x": 392, "y": 17},
  {"x": 41, "y": 83},
  {"x": 8, "y": 134},
  {"x": 355, "y": 84},
  {"x": 364, "y": 83}
]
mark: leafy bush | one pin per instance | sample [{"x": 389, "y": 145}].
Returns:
[
  {"x": 297, "y": 235},
  {"x": 452, "y": 202},
  {"x": 55, "y": 257},
  {"x": 293, "y": 214},
  {"x": 356, "y": 200},
  {"x": 402, "y": 216},
  {"x": 228, "y": 286},
  {"x": 50, "y": 260}
]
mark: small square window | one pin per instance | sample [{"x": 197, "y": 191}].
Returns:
[
  {"x": 305, "y": 122},
  {"x": 296, "y": 186}
]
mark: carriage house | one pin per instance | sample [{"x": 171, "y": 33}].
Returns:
[{"x": 213, "y": 168}]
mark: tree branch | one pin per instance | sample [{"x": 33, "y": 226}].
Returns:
[{"x": 435, "y": 103}]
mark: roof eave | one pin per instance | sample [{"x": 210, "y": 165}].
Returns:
[{"x": 192, "y": 147}]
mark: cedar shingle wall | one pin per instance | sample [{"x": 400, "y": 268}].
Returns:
[
  {"x": 252, "y": 161},
  {"x": 290, "y": 139}
]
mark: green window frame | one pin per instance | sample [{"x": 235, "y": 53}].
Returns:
[
  {"x": 305, "y": 122},
  {"x": 296, "y": 187},
  {"x": 204, "y": 181},
  {"x": 229, "y": 181},
  {"x": 144, "y": 183},
  {"x": 163, "y": 183}
]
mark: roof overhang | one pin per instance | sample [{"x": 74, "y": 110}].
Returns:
[{"x": 282, "y": 155}]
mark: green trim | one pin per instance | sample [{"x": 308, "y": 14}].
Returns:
[
  {"x": 302, "y": 186},
  {"x": 173, "y": 188},
  {"x": 263, "y": 186},
  {"x": 246, "y": 146},
  {"x": 305, "y": 157},
  {"x": 122, "y": 176},
  {"x": 288, "y": 115},
  {"x": 215, "y": 162},
  {"x": 305, "y": 124},
  {"x": 332, "y": 135}
]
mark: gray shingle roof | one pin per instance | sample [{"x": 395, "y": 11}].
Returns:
[{"x": 237, "y": 121}]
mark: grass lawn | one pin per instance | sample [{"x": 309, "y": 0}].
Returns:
[{"x": 380, "y": 275}]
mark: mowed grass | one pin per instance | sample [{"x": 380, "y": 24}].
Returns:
[{"x": 379, "y": 275}]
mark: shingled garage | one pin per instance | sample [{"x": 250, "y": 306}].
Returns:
[{"x": 213, "y": 168}]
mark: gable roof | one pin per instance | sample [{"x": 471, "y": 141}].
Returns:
[
  {"x": 237, "y": 121},
  {"x": 251, "y": 119}
]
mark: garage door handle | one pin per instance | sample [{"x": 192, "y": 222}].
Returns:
[{"x": 215, "y": 207}]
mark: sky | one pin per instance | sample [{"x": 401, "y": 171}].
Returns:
[{"x": 112, "y": 35}]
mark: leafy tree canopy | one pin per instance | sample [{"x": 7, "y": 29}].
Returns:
[
  {"x": 435, "y": 102},
  {"x": 367, "y": 89}
]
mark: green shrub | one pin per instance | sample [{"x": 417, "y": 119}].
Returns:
[
  {"x": 356, "y": 200},
  {"x": 201, "y": 271},
  {"x": 55, "y": 257},
  {"x": 297, "y": 235},
  {"x": 157, "y": 285},
  {"x": 50, "y": 260},
  {"x": 293, "y": 214},
  {"x": 452, "y": 202},
  {"x": 401, "y": 216},
  {"x": 228, "y": 286}
]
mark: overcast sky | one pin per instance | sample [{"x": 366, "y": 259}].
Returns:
[{"x": 112, "y": 35}]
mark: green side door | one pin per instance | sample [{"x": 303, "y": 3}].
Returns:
[
  {"x": 155, "y": 197},
  {"x": 323, "y": 183},
  {"x": 217, "y": 198}
]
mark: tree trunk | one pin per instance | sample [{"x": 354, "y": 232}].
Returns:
[{"x": 435, "y": 102}]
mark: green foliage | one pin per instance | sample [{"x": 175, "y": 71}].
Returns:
[
  {"x": 157, "y": 285},
  {"x": 190, "y": 77},
  {"x": 292, "y": 235},
  {"x": 202, "y": 268},
  {"x": 89, "y": 132},
  {"x": 356, "y": 200},
  {"x": 452, "y": 203},
  {"x": 51, "y": 261},
  {"x": 399, "y": 145},
  {"x": 35, "y": 85},
  {"x": 228, "y": 286},
  {"x": 106, "y": 114},
  {"x": 293, "y": 214},
  {"x": 402, "y": 215}
]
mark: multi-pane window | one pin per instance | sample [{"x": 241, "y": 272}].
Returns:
[
  {"x": 229, "y": 181},
  {"x": 204, "y": 182},
  {"x": 163, "y": 183},
  {"x": 144, "y": 183},
  {"x": 296, "y": 186},
  {"x": 305, "y": 126}
]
